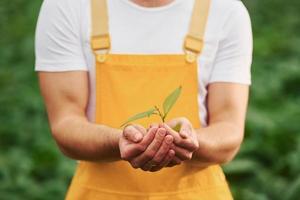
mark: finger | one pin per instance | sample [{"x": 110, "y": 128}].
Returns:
[
  {"x": 154, "y": 125},
  {"x": 173, "y": 122},
  {"x": 170, "y": 131},
  {"x": 176, "y": 125},
  {"x": 147, "y": 166},
  {"x": 134, "y": 149},
  {"x": 181, "y": 125},
  {"x": 158, "y": 140},
  {"x": 174, "y": 161},
  {"x": 148, "y": 138},
  {"x": 151, "y": 150},
  {"x": 185, "y": 130},
  {"x": 162, "y": 152},
  {"x": 182, "y": 153},
  {"x": 167, "y": 159},
  {"x": 133, "y": 134},
  {"x": 129, "y": 150},
  {"x": 140, "y": 128},
  {"x": 187, "y": 143}
]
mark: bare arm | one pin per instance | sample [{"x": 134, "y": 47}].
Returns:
[
  {"x": 219, "y": 142},
  {"x": 221, "y": 139},
  {"x": 66, "y": 97}
]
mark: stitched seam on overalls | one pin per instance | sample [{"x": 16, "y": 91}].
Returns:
[{"x": 196, "y": 189}]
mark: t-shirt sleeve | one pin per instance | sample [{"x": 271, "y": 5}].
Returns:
[
  {"x": 58, "y": 45},
  {"x": 234, "y": 56}
]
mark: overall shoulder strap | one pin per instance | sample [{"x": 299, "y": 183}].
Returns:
[
  {"x": 100, "y": 39},
  {"x": 193, "y": 43}
]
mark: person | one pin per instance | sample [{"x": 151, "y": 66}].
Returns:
[{"x": 100, "y": 62}]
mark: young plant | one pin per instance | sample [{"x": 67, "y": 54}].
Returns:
[{"x": 167, "y": 106}]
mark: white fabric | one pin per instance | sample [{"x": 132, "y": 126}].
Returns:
[{"x": 63, "y": 39}]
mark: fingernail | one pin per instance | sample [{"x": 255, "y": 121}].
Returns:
[
  {"x": 161, "y": 132},
  {"x": 172, "y": 153},
  {"x": 152, "y": 129},
  {"x": 137, "y": 137},
  {"x": 184, "y": 134},
  {"x": 169, "y": 140}
]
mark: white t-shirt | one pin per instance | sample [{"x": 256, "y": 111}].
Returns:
[{"x": 64, "y": 27}]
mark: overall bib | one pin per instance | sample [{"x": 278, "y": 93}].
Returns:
[{"x": 129, "y": 84}]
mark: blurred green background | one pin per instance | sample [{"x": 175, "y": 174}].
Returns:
[{"x": 268, "y": 165}]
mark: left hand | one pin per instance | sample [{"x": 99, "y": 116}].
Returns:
[
  {"x": 185, "y": 140},
  {"x": 148, "y": 150}
]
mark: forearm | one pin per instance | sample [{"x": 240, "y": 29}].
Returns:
[
  {"x": 82, "y": 140},
  {"x": 218, "y": 143}
]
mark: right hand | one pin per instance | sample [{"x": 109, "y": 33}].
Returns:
[
  {"x": 148, "y": 150},
  {"x": 185, "y": 140}
]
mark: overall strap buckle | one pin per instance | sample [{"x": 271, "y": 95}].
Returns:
[
  {"x": 100, "y": 39},
  {"x": 100, "y": 42},
  {"x": 101, "y": 46},
  {"x": 194, "y": 41},
  {"x": 192, "y": 48}
]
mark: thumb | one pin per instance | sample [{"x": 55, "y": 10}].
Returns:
[
  {"x": 183, "y": 133},
  {"x": 133, "y": 134},
  {"x": 170, "y": 131},
  {"x": 140, "y": 128},
  {"x": 185, "y": 130},
  {"x": 179, "y": 127}
]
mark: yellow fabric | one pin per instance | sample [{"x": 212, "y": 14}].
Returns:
[
  {"x": 100, "y": 30},
  {"x": 194, "y": 39},
  {"x": 126, "y": 85}
]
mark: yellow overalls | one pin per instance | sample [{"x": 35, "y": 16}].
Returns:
[{"x": 129, "y": 84}]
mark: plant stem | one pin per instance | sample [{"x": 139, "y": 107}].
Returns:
[{"x": 160, "y": 114}]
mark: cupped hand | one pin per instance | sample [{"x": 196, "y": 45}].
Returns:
[
  {"x": 149, "y": 149},
  {"x": 185, "y": 140}
]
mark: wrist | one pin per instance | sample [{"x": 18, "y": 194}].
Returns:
[
  {"x": 115, "y": 142},
  {"x": 208, "y": 151},
  {"x": 202, "y": 152},
  {"x": 107, "y": 143}
]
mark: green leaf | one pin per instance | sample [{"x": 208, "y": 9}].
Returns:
[
  {"x": 140, "y": 116},
  {"x": 171, "y": 100},
  {"x": 177, "y": 127}
]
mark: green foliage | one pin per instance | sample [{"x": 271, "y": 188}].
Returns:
[
  {"x": 170, "y": 101},
  {"x": 140, "y": 116},
  {"x": 267, "y": 166},
  {"x": 167, "y": 105},
  {"x": 31, "y": 166}
]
